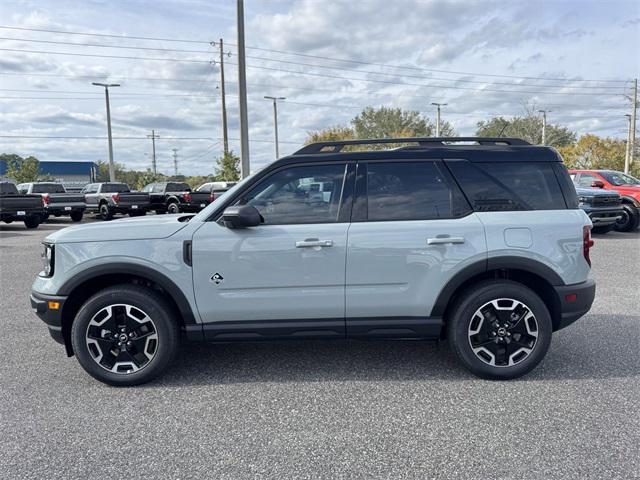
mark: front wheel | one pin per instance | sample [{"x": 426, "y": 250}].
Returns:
[
  {"x": 125, "y": 335},
  {"x": 629, "y": 220},
  {"x": 499, "y": 329}
]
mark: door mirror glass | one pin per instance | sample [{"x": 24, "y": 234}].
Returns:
[
  {"x": 597, "y": 184},
  {"x": 241, "y": 216}
]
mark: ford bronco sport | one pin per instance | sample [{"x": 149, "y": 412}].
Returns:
[{"x": 477, "y": 240}]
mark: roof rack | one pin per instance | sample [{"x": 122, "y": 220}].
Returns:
[{"x": 423, "y": 142}]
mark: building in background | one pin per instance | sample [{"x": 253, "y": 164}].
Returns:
[{"x": 74, "y": 175}]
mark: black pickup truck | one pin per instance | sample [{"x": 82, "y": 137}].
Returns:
[
  {"x": 57, "y": 201},
  {"x": 14, "y": 206},
  {"x": 108, "y": 199},
  {"x": 175, "y": 197}
]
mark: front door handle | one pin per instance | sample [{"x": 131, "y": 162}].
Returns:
[
  {"x": 314, "y": 242},
  {"x": 444, "y": 240}
]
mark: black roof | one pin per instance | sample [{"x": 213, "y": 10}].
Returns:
[{"x": 474, "y": 149}]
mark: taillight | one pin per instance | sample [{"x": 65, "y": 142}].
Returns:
[
  {"x": 187, "y": 197},
  {"x": 587, "y": 243},
  {"x": 45, "y": 199},
  {"x": 212, "y": 197},
  {"x": 115, "y": 197}
]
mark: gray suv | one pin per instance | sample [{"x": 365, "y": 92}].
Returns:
[{"x": 476, "y": 240}]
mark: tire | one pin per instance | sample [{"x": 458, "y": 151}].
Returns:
[
  {"x": 629, "y": 220},
  {"x": 76, "y": 216},
  {"x": 105, "y": 212},
  {"x": 173, "y": 207},
  {"x": 8, "y": 221},
  {"x": 45, "y": 217},
  {"x": 32, "y": 222},
  {"x": 502, "y": 298},
  {"x": 149, "y": 324},
  {"x": 602, "y": 230}
]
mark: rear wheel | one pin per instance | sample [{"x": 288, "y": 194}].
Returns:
[
  {"x": 76, "y": 216},
  {"x": 602, "y": 229},
  {"x": 125, "y": 335},
  {"x": 32, "y": 222},
  {"x": 629, "y": 220},
  {"x": 500, "y": 329},
  {"x": 105, "y": 212},
  {"x": 173, "y": 207}
]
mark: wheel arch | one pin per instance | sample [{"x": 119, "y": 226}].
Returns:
[
  {"x": 82, "y": 286},
  {"x": 535, "y": 275}
]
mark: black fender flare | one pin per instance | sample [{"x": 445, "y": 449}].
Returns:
[
  {"x": 494, "y": 263},
  {"x": 122, "y": 268},
  {"x": 626, "y": 200}
]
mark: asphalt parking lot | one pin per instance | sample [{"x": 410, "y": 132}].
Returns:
[{"x": 326, "y": 410}]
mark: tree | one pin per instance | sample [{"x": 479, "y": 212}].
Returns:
[
  {"x": 334, "y": 133},
  {"x": 527, "y": 127},
  {"x": 228, "y": 167},
  {"x": 22, "y": 170},
  {"x": 593, "y": 152}
]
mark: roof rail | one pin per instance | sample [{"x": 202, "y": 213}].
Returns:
[{"x": 423, "y": 142}]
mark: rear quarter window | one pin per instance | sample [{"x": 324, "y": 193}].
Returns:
[{"x": 508, "y": 186}]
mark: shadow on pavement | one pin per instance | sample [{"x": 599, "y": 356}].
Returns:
[{"x": 575, "y": 353}]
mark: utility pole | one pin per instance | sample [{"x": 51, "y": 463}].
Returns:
[
  {"x": 242, "y": 90},
  {"x": 153, "y": 137},
  {"x": 632, "y": 137},
  {"x": 112, "y": 170},
  {"x": 544, "y": 125},
  {"x": 438, "y": 106},
  {"x": 175, "y": 161},
  {"x": 225, "y": 131},
  {"x": 628, "y": 146},
  {"x": 275, "y": 120}
]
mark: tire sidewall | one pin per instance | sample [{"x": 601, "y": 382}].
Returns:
[
  {"x": 105, "y": 213},
  {"x": 632, "y": 215},
  {"x": 150, "y": 303},
  {"x": 474, "y": 299},
  {"x": 173, "y": 208}
]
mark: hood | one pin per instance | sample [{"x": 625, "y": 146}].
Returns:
[
  {"x": 595, "y": 192},
  {"x": 633, "y": 190},
  {"x": 152, "y": 227}
]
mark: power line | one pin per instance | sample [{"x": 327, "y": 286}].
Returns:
[
  {"x": 286, "y": 52},
  {"x": 104, "y": 56},
  {"x": 68, "y": 137}
]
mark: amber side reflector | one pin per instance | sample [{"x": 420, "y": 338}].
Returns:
[
  {"x": 572, "y": 297},
  {"x": 54, "y": 305}
]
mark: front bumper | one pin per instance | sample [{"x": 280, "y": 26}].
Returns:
[
  {"x": 575, "y": 301},
  {"x": 603, "y": 216},
  {"x": 49, "y": 309}
]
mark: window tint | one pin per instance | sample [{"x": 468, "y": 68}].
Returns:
[
  {"x": 48, "y": 188},
  {"x": 178, "y": 187},
  {"x": 411, "y": 191},
  {"x": 619, "y": 178},
  {"x": 309, "y": 194},
  {"x": 507, "y": 186},
  {"x": 114, "y": 188},
  {"x": 585, "y": 179}
]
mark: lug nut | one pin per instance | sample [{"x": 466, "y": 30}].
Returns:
[
  {"x": 129, "y": 343},
  {"x": 493, "y": 334}
]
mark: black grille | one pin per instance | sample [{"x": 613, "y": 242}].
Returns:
[{"x": 606, "y": 201}]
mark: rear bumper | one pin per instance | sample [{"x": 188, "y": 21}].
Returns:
[
  {"x": 52, "y": 317},
  {"x": 575, "y": 301},
  {"x": 192, "y": 207}
]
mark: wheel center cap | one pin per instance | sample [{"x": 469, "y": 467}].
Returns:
[
  {"x": 502, "y": 331},
  {"x": 123, "y": 337}
]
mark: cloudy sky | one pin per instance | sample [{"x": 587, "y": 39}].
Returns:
[{"x": 329, "y": 58}]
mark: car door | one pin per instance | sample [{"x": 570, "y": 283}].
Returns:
[
  {"x": 411, "y": 231},
  {"x": 284, "y": 278}
]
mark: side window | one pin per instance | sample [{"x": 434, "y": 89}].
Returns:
[
  {"x": 586, "y": 179},
  {"x": 411, "y": 191},
  {"x": 293, "y": 196},
  {"x": 148, "y": 188},
  {"x": 508, "y": 186},
  {"x": 23, "y": 189}
]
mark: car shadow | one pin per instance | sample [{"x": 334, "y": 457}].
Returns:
[
  {"x": 614, "y": 235},
  {"x": 575, "y": 353}
]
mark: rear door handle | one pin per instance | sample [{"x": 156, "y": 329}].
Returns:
[
  {"x": 314, "y": 242},
  {"x": 444, "y": 240}
]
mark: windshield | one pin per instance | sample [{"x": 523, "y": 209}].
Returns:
[
  {"x": 48, "y": 188},
  {"x": 619, "y": 178}
]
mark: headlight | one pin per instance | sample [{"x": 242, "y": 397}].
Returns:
[
  {"x": 584, "y": 199},
  {"x": 47, "y": 259}
]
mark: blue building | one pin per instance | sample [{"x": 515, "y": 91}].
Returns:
[{"x": 74, "y": 175}]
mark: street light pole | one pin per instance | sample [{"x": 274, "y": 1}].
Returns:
[
  {"x": 112, "y": 171},
  {"x": 438, "y": 105},
  {"x": 544, "y": 125},
  {"x": 245, "y": 163},
  {"x": 275, "y": 120}
]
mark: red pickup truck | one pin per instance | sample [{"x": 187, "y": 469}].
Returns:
[{"x": 627, "y": 186}]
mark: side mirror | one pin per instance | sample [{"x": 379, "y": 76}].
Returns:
[
  {"x": 597, "y": 184},
  {"x": 241, "y": 216}
]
